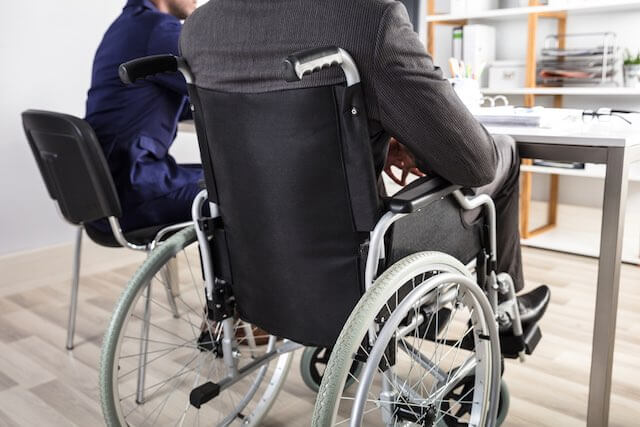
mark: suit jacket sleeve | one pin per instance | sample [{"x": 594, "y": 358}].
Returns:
[
  {"x": 164, "y": 40},
  {"x": 419, "y": 108}
]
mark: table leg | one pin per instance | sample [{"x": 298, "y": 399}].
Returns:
[
  {"x": 526, "y": 180},
  {"x": 615, "y": 196}
]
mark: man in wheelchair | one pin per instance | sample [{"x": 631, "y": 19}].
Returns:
[
  {"x": 299, "y": 241},
  {"x": 236, "y": 46}
]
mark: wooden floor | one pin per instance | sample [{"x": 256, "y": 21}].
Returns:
[{"x": 41, "y": 384}]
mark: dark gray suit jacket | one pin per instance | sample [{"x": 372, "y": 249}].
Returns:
[{"x": 239, "y": 46}]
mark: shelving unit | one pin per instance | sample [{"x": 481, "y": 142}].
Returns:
[
  {"x": 565, "y": 91},
  {"x": 590, "y": 171},
  {"x": 533, "y": 13},
  {"x": 500, "y": 14},
  {"x": 578, "y": 232}
]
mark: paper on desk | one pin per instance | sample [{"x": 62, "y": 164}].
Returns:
[{"x": 528, "y": 117}]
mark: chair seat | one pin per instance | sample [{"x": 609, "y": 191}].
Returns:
[{"x": 142, "y": 236}]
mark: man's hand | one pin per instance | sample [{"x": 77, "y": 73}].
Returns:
[{"x": 401, "y": 158}]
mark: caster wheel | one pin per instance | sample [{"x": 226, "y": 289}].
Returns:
[
  {"x": 460, "y": 411},
  {"x": 313, "y": 363}
]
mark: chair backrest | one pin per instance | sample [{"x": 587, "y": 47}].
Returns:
[
  {"x": 72, "y": 165},
  {"x": 293, "y": 175}
]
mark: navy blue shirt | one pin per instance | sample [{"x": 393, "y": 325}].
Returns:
[{"x": 136, "y": 124}]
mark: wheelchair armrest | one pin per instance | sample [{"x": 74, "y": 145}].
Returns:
[
  {"x": 420, "y": 194},
  {"x": 148, "y": 66}
]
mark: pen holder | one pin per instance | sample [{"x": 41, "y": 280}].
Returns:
[
  {"x": 632, "y": 76},
  {"x": 468, "y": 90}
]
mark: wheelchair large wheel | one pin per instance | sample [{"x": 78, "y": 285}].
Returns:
[
  {"x": 423, "y": 329},
  {"x": 151, "y": 360}
]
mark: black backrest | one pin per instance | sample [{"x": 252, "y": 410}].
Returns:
[
  {"x": 293, "y": 175},
  {"x": 72, "y": 165}
]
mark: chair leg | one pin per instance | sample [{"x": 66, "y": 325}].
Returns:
[
  {"x": 144, "y": 344},
  {"x": 174, "y": 276},
  {"x": 169, "y": 286},
  {"x": 73, "y": 303}
]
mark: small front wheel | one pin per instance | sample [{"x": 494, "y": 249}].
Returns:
[{"x": 313, "y": 364}]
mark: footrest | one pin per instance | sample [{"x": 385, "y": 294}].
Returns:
[
  {"x": 511, "y": 345},
  {"x": 203, "y": 394},
  {"x": 532, "y": 339}
]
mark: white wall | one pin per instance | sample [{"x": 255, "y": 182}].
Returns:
[{"x": 47, "y": 49}]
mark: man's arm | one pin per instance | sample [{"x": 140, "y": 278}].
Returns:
[
  {"x": 164, "y": 40},
  {"x": 419, "y": 108}
]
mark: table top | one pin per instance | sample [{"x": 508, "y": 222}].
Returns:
[{"x": 594, "y": 134}]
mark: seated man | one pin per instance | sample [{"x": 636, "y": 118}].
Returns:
[
  {"x": 238, "y": 46},
  {"x": 136, "y": 124}
]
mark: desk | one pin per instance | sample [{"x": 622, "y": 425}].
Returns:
[{"x": 617, "y": 146}]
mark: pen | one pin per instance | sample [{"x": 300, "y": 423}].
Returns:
[{"x": 452, "y": 66}]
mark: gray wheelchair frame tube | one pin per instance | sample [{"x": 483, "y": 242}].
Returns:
[{"x": 209, "y": 275}]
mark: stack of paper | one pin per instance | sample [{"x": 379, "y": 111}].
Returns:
[
  {"x": 528, "y": 117},
  {"x": 509, "y": 116},
  {"x": 596, "y": 60}
]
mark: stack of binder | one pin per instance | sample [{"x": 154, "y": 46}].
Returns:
[
  {"x": 593, "y": 59},
  {"x": 475, "y": 45}
]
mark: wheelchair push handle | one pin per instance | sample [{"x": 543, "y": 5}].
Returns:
[
  {"x": 148, "y": 66},
  {"x": 307, "y": 62}
]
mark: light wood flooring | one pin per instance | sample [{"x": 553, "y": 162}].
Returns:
[{"x": 42, "y": 384}]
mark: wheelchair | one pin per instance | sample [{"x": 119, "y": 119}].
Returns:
[{"x": 303, "y": 247}]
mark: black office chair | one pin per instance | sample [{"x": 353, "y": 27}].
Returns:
[{"x": 77, "y": 177}]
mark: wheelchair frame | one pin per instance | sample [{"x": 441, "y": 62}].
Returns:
[
  {"x": 375, "y": 255},
  {"x": 400, "y": 206},
  {"x": 318, "y": 59}
]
